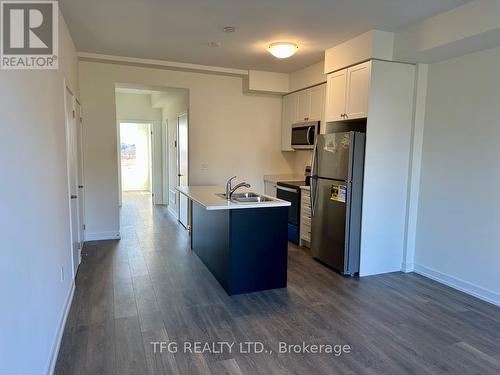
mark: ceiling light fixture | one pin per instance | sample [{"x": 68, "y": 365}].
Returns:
[
  {"x": 229, "y": 29},
  {"x": 282, "y": 50},
  {"x": 214, "y": 44}
]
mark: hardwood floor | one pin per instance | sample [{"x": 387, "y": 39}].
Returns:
[{"x": 150, "y": 287}]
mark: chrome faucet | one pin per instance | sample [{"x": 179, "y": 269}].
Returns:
[{"x": 230, "y": 190}]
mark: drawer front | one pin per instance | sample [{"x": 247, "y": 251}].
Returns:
[
  {"x": 306, "y": 222},
  {"x": 305, "y": 215}
]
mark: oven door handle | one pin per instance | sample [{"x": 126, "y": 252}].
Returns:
[{"x": 286, "y": 189}]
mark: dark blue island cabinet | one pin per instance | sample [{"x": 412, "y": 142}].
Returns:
[{"x": 246, "y": 249}]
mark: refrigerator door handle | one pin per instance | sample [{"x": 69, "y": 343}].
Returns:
[
  {"x": 314, "y": 185},
  {"x": 313, "y": 177}
]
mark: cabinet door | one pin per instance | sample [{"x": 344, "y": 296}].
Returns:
[
  {"x": 336, "y": 88},
  {"x": 288, "y": 117},
  {"x": 304, "y": 105},
  {"x": 317, "y": 109},
  {"x": 358, "y": 90}
]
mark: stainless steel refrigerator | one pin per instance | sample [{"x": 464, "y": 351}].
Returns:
[{"x": 336, "y": 199}]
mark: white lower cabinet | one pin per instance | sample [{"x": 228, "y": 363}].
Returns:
[{"x": 305, "y": 217}]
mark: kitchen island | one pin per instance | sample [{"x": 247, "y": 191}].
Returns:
[{"x": 243, "y": 243}]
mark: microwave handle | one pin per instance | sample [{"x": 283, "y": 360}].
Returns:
[{"x": 308, "y": 135}]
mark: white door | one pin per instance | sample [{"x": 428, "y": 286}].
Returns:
[
  {"x": 182, "y": 167},
  {"x": 358, "y": 90},
  {"x": 336, "y": 95},
  {"x": 81, "y": 185},
  {"x": 72, "y": 165}
]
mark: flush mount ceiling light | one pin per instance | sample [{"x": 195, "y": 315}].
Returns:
[
  {"x": 282, "y": 50},
  {"x": 214, "y": 44},
  {"x": 229, "y": 29}
]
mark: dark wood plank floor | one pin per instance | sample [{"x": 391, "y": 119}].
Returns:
[{"x": 150, "y": 287}]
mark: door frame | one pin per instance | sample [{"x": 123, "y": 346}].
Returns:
[
  {"x": 152, "y": 151},
  {"x": 74, "y": 269},
  {"x": 177, "y": 154},
  {"x": 81, "y": 190}
]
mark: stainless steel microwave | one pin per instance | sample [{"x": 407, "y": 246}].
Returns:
[{"x": 304, "y": 135}]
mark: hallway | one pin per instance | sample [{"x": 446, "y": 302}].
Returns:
[{"x": 150, "y": 287}]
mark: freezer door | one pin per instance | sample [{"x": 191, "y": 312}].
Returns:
[
  {"x": 328, "y": 236},
  {"x": 333, "y": 153}
]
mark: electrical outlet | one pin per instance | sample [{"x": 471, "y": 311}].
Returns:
[
  {"x": 62, "y": 274},
  {"x": 204, "y": 166}
]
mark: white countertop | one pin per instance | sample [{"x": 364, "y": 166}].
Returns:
[{"x": 208, "y": 198}]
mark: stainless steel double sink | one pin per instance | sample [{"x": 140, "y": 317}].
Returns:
[{"x": 247, "y": 198}]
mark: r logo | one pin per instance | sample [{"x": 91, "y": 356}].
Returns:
[{"x": 29, "y": 33}]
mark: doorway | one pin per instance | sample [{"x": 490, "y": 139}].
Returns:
[
  {"x": 183, "y": 167},
  {"x": 136, "y": 157}
]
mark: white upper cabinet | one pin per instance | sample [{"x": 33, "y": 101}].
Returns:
[
  {"x": 336, "y": 87},
  {"x": 358, "y": 91},
  {"x": 289, "y": 116},
  {"x": 300, "y": 106},
  {"x": 304, "y": 105},
  {"x": 317, "y": 108},
  {"x": 348, "y": 92}
]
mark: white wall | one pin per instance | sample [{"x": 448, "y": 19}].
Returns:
[
  {"x": 309, "y": 76},
  {"x": 175, "y": 107},
  {"x": 302, "y": 159},
  {"x": 470, "y": 27},
  {"x": 458, "y": 236},
  {"x": 231, "y": 132},
  {"x": 34, "y": 214},
  {"x": 137, "y": 107}
]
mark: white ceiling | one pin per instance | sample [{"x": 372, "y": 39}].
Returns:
[{"x": 179, "y": 30}]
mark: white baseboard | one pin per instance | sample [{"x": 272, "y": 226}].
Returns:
[
  {"x": 408, "y": 267},
  {"x": 100, "y": 236},
  {"x": 60, "y": 330},
  {"x": 462, "y": 285},
  {"x": 172, "y": 212}
]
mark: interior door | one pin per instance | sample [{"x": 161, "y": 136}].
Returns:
[
  {"x": 72, "y": 166},
  {"x": 336, "y": 88},
  {"x": 182, "y": 167},
  {"x": 81, "y": 185}
]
